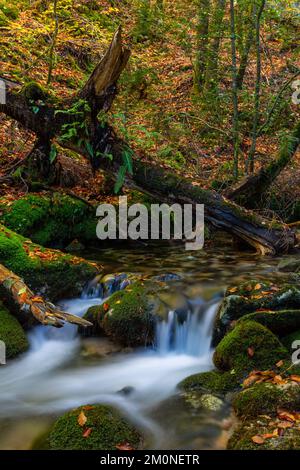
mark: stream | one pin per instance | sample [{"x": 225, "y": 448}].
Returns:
[{"x": 54, "y": 375}]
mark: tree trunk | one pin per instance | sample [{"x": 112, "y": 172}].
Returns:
[
  {"x": 101, "y": 140},
  {"x": 251, "y": 191},
  {"x": 24, "y": 302}
]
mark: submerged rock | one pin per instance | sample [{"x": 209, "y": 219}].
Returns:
[
  {"x": 12, "y": 334},
  {"x": 93, "y": 427},
  {"x": 98, "y": 347},
  {"x": 203, "y": 400}
]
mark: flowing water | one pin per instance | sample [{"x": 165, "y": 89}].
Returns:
[{"x": 54, "y": 376}]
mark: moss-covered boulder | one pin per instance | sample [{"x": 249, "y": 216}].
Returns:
[
  {"x": 12, "y": 334},
  {"x": 242, "y": 438},
  {"x": 95, "y": 427},
  {"x": 280, "y": 322},
  {"x": 126, "y": 316},
  {"x": 266, "y": 398},
  {"x": 252, "y": 297},
  {"x": 213, "y": 381},
  {"x": 249, "y": 346},
  {"x": 50, "y": 220},
  {"x": 52, "y": 272}
]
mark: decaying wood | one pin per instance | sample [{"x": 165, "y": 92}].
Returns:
[
  {"x": 263, "y": 235},
  {"x": 26, "y": 303}
]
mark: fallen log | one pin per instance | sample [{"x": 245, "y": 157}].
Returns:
[
  {"x": 22, "y": 299},
  {"x": 99, "y": 139}
]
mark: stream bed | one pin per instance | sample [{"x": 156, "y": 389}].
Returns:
[{"x": 55, "y": 375}]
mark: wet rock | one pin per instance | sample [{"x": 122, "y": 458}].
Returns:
[
  {"x": 98, "y": 347},
  {"x": 208, "y": 401},
  {"x": 213, "y": 381},
  {"x": 126, "y": 391}
]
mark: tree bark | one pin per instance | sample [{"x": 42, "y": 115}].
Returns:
[{"x": 23, "y": 300}]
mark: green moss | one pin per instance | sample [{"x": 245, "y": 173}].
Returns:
[
  {"x": 265, "y": 398},
  {"x": 281, "y": 323},
  {"x": 242, "y": 437},
  {"x": 55, "y": 273},
  {"x": 50, "y": 220},
  {"x": 109, "y": 429},
  {"x": 34, "y": 91},
  {"x": 213, "y": 381},
  {"x": 232, "y": 351},
  {"x": 12, "y": 334},
  {"x": 127, "y": 317},
  {"x": 248, "y": 300}
]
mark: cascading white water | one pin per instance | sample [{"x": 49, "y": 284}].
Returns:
[{"x": 48, "y": 378}]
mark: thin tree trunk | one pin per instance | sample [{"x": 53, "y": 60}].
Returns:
[
  {"x": 246, "y": 52},
  {"x": 235, "y": 122},
  {"x": 53, "y": 43},
  {"x": 202, "y": 40},
  {"x": 215, "y": 34},
  {"x": 250, "y": 160}
]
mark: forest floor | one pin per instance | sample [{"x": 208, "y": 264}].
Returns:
[{"x": 157, "y": 109}]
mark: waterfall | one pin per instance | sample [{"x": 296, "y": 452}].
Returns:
[{"x": 191, "y": 336}]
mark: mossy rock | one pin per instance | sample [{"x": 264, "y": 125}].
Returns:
[
  {"x": 55, "y": 220},
  {"x": 213, "y": 381},
  {"x": 12, "y": 334},
  {"x": 280, "y": 322},
  {"x": 250, "y": 297},
  {"x": 233, "y": 351},
  {"x": 242, "y": 437},
  {"x": 53, "y": 273},
  {"x": 108, "y": 430},
  {"x": 265, "y": 398},
  {"x": 199, "y": 400},
  {"x": 127, "y": 317}
]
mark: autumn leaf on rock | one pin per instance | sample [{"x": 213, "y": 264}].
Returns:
[
  {"x": 250, "y": 352},
  {"x": 82, "y": 419},
  {"x": 279, "y": 363},
  {"x": 87, "y": 432},
  {"x": 258, "y": 440},
  {"x": 105, "y": 307}
]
